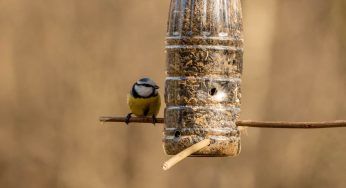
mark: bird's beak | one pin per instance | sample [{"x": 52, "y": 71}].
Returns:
[{"x": 156, "y": 87}]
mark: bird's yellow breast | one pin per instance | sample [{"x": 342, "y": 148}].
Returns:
[{"x": 144, "y": 106}]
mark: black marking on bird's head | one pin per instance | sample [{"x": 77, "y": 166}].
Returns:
[{"x": 144, "y": 79}]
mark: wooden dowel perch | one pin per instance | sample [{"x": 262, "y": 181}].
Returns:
[
  {"x": 245, "y": 123},
  {"x": 185, "y": 153}
]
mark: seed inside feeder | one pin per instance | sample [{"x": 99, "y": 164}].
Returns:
[{"x": 204, "y": 65}]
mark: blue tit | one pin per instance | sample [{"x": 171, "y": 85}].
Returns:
[{"x": 144, "y": 99}]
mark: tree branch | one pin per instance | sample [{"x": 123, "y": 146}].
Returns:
[{"x": 244, "y": 123}]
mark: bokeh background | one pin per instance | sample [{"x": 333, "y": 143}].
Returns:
[{"x": 64, "y": 63}]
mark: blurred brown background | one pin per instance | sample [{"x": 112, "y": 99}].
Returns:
[{"x": 63, "y": 63}]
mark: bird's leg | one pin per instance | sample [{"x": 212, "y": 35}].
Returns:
[
  {"x": 154, "y": 119},
  {"x": 128, "y": 117}
]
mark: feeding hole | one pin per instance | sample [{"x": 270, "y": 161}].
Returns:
[
  {"x": 213, "y": 91},
  {"x": 177, "y": 134}
]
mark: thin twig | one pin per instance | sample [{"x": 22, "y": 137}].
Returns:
[
  {"x": 185, "y": 153},
  {"x": 292, "y": 125},
  {"x": 245, "y": 123},
  {"x": 132, "y": 120}
]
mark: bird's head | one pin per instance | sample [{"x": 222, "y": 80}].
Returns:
[{"x": 145, "y": 88}]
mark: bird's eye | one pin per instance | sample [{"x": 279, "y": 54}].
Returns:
[{"x": 145, "y": 85}]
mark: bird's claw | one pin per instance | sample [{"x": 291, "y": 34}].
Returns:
[
  {"x": 154, "y": 119},
  {"x": 128, "y": 117}
]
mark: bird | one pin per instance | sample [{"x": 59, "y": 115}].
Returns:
[{"x": 144, "y": 100}]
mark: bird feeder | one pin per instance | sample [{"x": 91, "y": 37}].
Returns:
[{"x": 204, "y": 47}]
